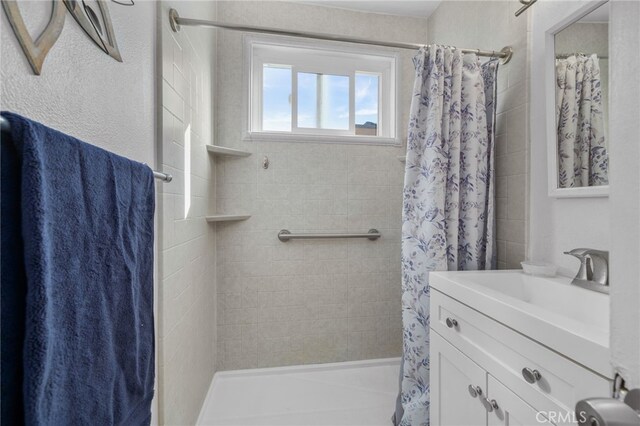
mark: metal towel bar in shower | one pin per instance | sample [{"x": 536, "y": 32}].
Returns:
[{"x": 285, "y": 235}]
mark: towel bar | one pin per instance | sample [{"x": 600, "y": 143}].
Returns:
[
  {"x": 166, "y": 177},
  {"x": 285, "y": 235}
]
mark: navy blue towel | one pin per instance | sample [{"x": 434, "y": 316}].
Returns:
[{"x": 77, "y": 281}]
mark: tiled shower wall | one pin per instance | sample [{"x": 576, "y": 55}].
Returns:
[
  {"x": 491, "y": 25},
  {"x": 307, "y": 301},
  {"x": 186, "y": 293}
]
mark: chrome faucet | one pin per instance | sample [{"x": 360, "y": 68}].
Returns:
[{"x": 594, "y": 269}]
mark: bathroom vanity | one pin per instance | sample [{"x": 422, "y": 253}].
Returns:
[{"x": 507, "y": 348}]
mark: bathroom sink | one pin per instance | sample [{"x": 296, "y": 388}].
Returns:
[
  {"x": 556, "y": 295},
  {"x": 564, "y": 317}
]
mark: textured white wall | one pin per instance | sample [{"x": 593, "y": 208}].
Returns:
[
  {"x": 187, "y": 285},
  {"x": 492, "y": 25},
  {"x": 625, "y": 195},
  {"x": 307, "y": 301},
  {"x": 82, "y": 91}
]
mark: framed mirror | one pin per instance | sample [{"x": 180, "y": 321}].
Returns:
[{"x": 578, "y": 140}]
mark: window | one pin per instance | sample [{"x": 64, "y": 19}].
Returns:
[{"x": 316, "y": 91}]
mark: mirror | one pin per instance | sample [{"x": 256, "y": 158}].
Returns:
[{"x": 581, "y": 101}]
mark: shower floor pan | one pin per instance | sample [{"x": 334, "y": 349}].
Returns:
[{"x": 346, "y": 393}]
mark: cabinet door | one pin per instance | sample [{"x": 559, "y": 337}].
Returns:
[
  {"x": 451, "y": 374},
  {"x": 511, "y": 410}
]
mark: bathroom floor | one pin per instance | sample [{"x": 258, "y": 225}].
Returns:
[{"x": 348, "y": 393}]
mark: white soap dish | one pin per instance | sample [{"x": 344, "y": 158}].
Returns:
[{"x": 541, "y": 269}]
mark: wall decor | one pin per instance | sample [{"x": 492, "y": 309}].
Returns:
[
  {"x": 88, "y": 19},
  {"x": 92, "y": 16},
  {"x": 36, "y": 51}
]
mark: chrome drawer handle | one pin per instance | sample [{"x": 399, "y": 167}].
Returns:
[
  {"x": 531, "y": 376},
  {"x": 451, "y": 322},
  {"x": 490, "y": 405},
  {"x": 475, "y": 391}
]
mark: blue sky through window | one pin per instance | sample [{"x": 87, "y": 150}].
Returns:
[
  {"x": 276, "y": 98},
  {"x": 307, "y": 100},
  {"x": 333, "y": 91},
  {"x": 367, "y": 98}
]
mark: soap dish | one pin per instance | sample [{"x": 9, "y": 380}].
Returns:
[{"x": 541, "y": 269}]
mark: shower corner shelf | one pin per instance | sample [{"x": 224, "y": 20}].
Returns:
[
  {"x": 402, "y": 158},
  {"x": 227, "y": 152},
  {"x": 227, "y": 217}
]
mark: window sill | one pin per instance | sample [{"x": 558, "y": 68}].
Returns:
[{"x": 336, "y": 139}]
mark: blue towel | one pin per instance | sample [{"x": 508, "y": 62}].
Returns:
[
  {"x": 14, "y": 287},
  {"x": 85, "y": 275}
]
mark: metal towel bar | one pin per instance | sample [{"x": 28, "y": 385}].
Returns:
[
  {"x": 285, "y": 235},
  {"x": 166, "y": 177}
]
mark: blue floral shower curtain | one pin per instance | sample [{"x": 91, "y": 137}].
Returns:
[
  {"x": 582, "y": 146},
  {"x": 448, "y": 214}
]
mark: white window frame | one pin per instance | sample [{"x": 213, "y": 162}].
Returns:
[{"x": 323, "y": 58}]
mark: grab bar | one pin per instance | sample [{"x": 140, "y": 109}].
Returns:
[{"x": 286, "y": 235}]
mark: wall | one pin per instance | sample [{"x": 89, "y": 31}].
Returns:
[
  {"x": 609, "y": 223},
  {"x": 491, "y": 25},
  {"x": 82, "y": 91},
  {"x": 307, "y": 301},
  {"x": 625, "y": 196},
  {"x": 557, "y": 224},
  {"x": 187, "y": 289}
]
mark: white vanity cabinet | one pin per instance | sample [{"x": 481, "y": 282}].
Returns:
[
  {"x": 468, "y": 349},
  {"x": 452, "y": 373},
  {"x": 511, "y": 410},
  {"x": 464, "y": 394}
]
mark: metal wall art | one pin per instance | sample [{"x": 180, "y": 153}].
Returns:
[
  {"x": 97, "y": 25},
  {"x": 88, "y": 19},
  {"x": 35, "y": 51}
]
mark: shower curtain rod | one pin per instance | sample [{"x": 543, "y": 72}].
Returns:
[
  {"x": 566, "y": 55},
  {"x": 5, "y": 127},
  {"x": 176, "y": 22}
]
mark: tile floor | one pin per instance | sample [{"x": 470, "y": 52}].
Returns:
[{"x": 349, "y": 393}]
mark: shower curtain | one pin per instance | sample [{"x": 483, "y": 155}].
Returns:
[
  {"x": 582, "y": 152},
  {"x": 448, "y": 215}
]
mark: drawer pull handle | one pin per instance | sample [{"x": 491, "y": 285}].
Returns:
[
  {"x": 531, "y": 376},
  {"x": 475, "y": 391},
  {"x": 451, "y": 322},
  {"x": 490, "y": 405}
]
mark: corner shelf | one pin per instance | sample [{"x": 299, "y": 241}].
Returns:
[
  {"x": 222, "y": 151},
  {"x": 402, "y": 158},
  {"x": 227, "y": 152},
  {"x": 227, "y": 217}
]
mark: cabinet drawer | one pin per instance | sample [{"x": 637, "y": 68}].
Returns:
[{"x": 504, "y": 353}]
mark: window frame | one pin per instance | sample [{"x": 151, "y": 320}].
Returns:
[{"x": 346, "y": 61}]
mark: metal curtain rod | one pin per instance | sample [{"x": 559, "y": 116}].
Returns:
[
  {"x": 5, "y": 126},
  {"x": 527, "y": 4},
  {"x": 286, "y": 235},
  {"x": 566, "y": 55},
  {"x": 176, "y": 22}
]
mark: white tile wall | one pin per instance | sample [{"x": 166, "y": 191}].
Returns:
[
  {"x": 307, "y": 301},
  {"x": 310, "y": 301},
  {"x": 187, "y": 295},
  {"x": 491, "y": 25}
]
